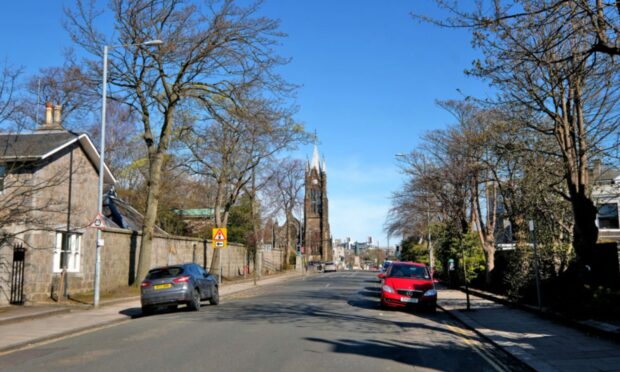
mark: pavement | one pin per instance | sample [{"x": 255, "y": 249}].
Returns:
[
  {"x": 540, "y": 342},
  {"x": 22, "y": 326}
]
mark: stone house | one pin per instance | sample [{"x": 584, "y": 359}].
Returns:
[
  {"x": 606, "y": 195},
  {"x": 48, "y": 198}
]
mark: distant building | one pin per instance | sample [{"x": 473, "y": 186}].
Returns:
[
  {"x": 198, "y": 219},
  {"x": 317, "y": 236}
]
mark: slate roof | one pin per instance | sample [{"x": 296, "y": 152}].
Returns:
[
  {"x": 119, "y": 213},
  {"x": 33, "y": 146},
  {"x": 40, "y": 145}
]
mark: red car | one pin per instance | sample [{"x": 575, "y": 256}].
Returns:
[{"x": 407, "y": 283}]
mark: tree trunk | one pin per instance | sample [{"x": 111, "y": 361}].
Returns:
[
  {"x": 585, "y": 232},
  {"x": 489, "y": 254},
  {"x": 289, "y": 219},
  {"x": 150, "y": 216}
]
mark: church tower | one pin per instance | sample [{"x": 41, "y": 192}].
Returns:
[{"x": 317, "y": 237}]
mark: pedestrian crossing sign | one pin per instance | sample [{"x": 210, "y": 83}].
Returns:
[{"x": 219, "y": 237}]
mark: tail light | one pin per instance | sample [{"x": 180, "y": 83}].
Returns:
[
  {"x": 145, "y": 284},
  {"x": 181, "y": 279}
]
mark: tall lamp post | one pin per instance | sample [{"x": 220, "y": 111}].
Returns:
[{"x": 104, "y": 93}]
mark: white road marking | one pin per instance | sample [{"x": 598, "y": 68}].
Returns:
[{"x": 327, "y": 285}]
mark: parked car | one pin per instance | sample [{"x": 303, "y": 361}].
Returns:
[
  {"x": 314, "y": 266},
  {"x": 178, "y": 284},
  {"x": 408, "y": 283},
  {"x": 329, "y": 267}
]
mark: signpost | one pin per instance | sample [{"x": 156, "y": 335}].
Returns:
[{"x": 219, "y": 239}]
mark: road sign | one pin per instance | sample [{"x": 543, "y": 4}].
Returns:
[
  {"x": 219, "y": 237},
  {"x": 98, "y": 222}
]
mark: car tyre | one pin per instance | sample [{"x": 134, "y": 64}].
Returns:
[
  {"x": 431, "y": 308},
  {"x": 215, "y": 297},
  {"x": 383, "y": 306},
  {"x": 147, "y": 310},
  {"x": 194, "y": 303}
]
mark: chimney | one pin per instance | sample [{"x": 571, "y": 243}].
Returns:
[
  {"x": 57, "y": 112},
  {"x": 52, "y": 118},
  {"x": 48, "y": 114}
]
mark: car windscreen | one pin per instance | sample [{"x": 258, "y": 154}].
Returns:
[
  {"x": 164, "y": 272},
  {"x": 409, "y": 271}
]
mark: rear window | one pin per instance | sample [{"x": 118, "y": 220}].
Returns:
[{"x": 164, "y": 272}]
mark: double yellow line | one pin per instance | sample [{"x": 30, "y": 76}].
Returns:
[{"x": 470, "y": 339}]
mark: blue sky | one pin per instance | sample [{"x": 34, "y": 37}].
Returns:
[{"x": 369, "y": 77}]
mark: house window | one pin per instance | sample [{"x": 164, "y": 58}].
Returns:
[
  {"x": 608, "y": 216},
  {"x": 67, "y": 251}
]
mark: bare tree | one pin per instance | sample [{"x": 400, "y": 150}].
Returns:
[
  {"x": 286, "y": 191},
  {"x": 229, "y": 149},
  {"x": 66, "y": 86},
  {"x": 210, "y": 52},
  {"x": 8, "y": 87},
  {"x": 538, "y": 62},
  {"x": 598, "y": 19}
]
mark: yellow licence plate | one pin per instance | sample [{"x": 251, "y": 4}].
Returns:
[{"x": 162, "y": 286}]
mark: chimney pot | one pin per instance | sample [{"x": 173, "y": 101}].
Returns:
[
  {"x": 48, "y": 113},
  {"x": 57, "y": 111}
]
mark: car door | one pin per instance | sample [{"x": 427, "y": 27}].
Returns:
[{"x": 206, "y": 285}]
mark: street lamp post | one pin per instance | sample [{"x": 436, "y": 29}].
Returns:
[{"x": 106, "y": 48}]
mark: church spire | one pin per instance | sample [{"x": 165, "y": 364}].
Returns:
[{"x": 315, "y": 158}]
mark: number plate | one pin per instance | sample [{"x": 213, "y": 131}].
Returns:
[
  {"x": 162, "y": 286},
  {"x": 409, "y": 299}
]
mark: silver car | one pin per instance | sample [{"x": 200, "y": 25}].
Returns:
[
  {"x": 329, "y": 266},
  {"x": 179, "y": 284}
]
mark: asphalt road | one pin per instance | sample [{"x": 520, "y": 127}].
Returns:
[{"x": 324, "y": 322}]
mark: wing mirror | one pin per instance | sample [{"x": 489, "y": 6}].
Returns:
[{"x": 381, "y": 276}]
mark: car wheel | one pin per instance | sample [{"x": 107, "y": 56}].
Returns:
[
  {"x": 147, "y": 310},
  {"x": 194, "y": 303},
  {"x": 382, "y": 305},
  {"x": 431, "y": 308},
  {"x": 215, "y": 298}
]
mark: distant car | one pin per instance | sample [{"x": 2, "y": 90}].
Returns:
[
  {"x": 178, "y": 284},
  {"x": 329, "y": 267},
  {"x": 385, "y": 265},
  {"x": 408, "y": 283}
]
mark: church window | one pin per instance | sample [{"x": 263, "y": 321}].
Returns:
[{"x": 315, "y": 201}]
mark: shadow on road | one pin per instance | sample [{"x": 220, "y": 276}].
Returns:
[{"x": 449, "y": 356}]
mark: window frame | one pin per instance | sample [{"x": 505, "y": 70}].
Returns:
[
  {"x": 72, "y": 255},
  {"x": 598, "y": 221}
]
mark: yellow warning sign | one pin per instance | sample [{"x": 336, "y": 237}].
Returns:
[{"x": 219, "y": 237}]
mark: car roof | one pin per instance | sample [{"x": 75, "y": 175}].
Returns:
[
  {"x": 408, "y": 263},
  {"x": 177, "y": 265}
]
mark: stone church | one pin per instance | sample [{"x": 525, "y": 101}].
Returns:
[{"x": 317, "y": 237}]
